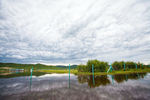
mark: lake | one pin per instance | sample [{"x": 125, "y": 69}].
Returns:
[{"x": 43, "y": 86}]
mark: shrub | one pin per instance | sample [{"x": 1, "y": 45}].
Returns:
[
  {"x": 99, "y": 66},
  {"x": 82, "y": 68},
  {"x": 130, "y": 65},
  {"x": 118, "y": 65}
]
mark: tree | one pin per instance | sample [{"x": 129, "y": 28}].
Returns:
[
  {"x": 118, "y": 65},
  {"x": 130, "y": 65},
  {"x": 99, "y": 66},
  {"x": 82, "y": 68}
]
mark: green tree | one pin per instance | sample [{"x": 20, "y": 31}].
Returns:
[
  {"x": 82, "y": 68},
  {"x": 118, "y": 65},
  {"x": 99, "y": 66},
  {"x": 130, "y": 65}
]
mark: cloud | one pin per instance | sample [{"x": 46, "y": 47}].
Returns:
[{"x": 73, "y": 31}]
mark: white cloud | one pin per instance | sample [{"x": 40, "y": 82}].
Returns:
[{"x": 73, "y": 31}]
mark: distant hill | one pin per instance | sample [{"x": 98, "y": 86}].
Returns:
[
  {"x": 72, "y": 66},
  {"x": 36, "y": 66}
]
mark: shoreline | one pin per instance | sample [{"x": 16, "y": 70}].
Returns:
[
  {"x": 73, "y": 71},
  {"x": 97, "y": 73}
]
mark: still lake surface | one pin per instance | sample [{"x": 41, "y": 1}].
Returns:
[{"x": 80, "y": 87}]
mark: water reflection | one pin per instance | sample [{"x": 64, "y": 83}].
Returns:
[
  {"x": 30, "y": 84},
  {"x": 92, "y": 80},
  {"x": 31, "y": 70},
  {"x": 69, "y": 80},
  {"x": 112, "y": 77},
  {"x": 122, "y": 78},
  {"x": 126, "y": 78},
  {"x": 22, "y": 74},
  {"x": 98, "y": 80},
  {"x": 95, "y": 81},
  {"x": 55, "y": 87}
]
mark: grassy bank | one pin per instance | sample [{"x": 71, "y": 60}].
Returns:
[
  {"x": 97, "y": 73},
  {"x": 74, "y": 71},
  {"x": 7, "y": 74},
  {"x": 58, "y": 71}
]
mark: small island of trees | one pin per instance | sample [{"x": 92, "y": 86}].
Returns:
[{"x": 101, "y": 66}]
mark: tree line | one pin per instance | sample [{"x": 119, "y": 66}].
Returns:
[{"x": 101, "y": 66}]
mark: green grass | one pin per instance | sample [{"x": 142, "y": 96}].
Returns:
[
  {"x": 58, "y": 71},
  {"x": 98, "y": 73},
  {"x": 117, "y": 72},
  {"x": 72, "y": 71}
]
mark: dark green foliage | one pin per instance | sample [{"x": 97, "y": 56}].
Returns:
[
  {"x": 82, "y": 68},
  {"x": 118, "y": 65},
  {"x": 99, "y": 66},
  {"x": 95, "y": 63},
  {"x": 130, "y": 65},
  {"x": 139, "y": 64}
]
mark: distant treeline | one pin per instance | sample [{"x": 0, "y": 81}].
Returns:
[
  {"x": 101, "y": 66},
  {"x": 35, "y": 66}
]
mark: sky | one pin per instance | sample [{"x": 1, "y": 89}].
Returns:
[{"x": 74, "y": 31}]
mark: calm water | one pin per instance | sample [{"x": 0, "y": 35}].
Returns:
[{"x": 80, "y": 87}]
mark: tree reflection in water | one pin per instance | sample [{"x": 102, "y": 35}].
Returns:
[
  {"x": 104, "y": 80},
  {"x": 99, "y": 80},
  {"x": 122, "y": 78}
]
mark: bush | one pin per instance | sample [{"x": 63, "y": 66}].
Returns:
[
  {"x": 130, "y": 65},
  {"x": 118, "y": 65},
  {"x": 82, "y": 68},
  {"x": 99, "y": 66}
]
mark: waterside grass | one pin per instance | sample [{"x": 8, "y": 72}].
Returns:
[
  {"x": 8, "y": 74},
  {"x": 97, "y": 73}
]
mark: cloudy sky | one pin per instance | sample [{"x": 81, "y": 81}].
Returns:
[{"x": 73, "y": 31}]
